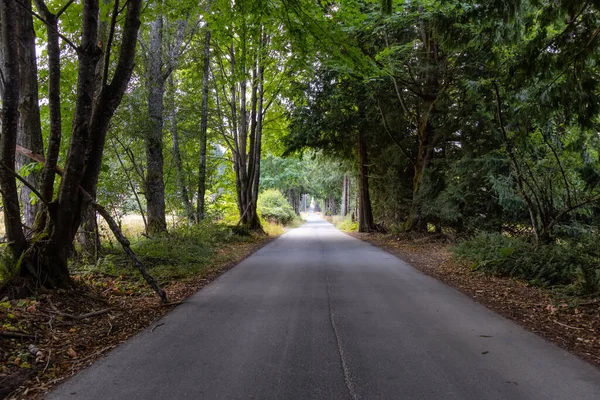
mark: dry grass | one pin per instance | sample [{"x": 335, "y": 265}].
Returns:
[{"x": 133, "y": 226}]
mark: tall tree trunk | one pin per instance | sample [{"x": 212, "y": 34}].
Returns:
[
  {"x": 332, "y": 205},
  {"x": 55, "y": 136},
  {"x": 88, "y": 236},
  {"x": 248, "y": 165},
  {"x": 10, "y": 127},
  {"x": 179, "y": 171},
  {"x": 345, "y": 196},
  {"x": 365, "y": 212},
  {"x": 155, "y": 186},
  {"x": 201, "y": 206},
  {"x": 425, "y": 131},
  {"x": 415, "y": 221},
  {"x": 30, "y": 130}
]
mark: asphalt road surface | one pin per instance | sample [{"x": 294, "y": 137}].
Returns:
[{"x": 317, "y": 314}]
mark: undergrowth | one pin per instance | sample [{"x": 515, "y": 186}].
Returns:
[
  {"x": 572, "y": 266},
  {"x": 344, "y": 224},
  {"x": 184, "y": 251}
]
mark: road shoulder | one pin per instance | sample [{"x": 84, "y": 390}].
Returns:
[{"x": 573, "y": 324}]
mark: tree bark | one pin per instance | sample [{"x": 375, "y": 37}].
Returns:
[
  {"x": 201, "y": 206},
  {"x": 415, "y": 221},
  {"x": 179, "y": 171},
  {"x": 155, "y": 186},
  {"x": 10, "y": 127},
  {"x": 253, "y": 220},
  {"x": 332, "y": 205},
  {"x": 425, "y": 131},
  {"x": 54, "y": 138},
  {"x": 345, "y": 195},
  {"x": 365, "y": 211},
  {"x": 247, "y": 162},
  {"x": 29, "y": 134}
]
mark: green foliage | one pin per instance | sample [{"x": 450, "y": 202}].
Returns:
[
  {"x": 572, "y": 264},
  {"x": 274, "y": 207},
  {"x": 347, "y": 225},
  {"x": 185, "y": 251}
]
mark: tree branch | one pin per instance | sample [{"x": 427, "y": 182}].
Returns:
[
  {"x": 24, "y": 182},
  {"x": 64, "y": 8},
  {"x": 38, "y": 16}
]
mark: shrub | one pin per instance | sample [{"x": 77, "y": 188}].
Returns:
[
  {"x": 274, "y": 207},
  {"x": 567, "y": 263}
]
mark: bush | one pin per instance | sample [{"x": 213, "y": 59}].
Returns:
[
  {"x": 344, "y": 224},
  {"x": 274, "y": 207},
  {"x": 569, "y": 263}
]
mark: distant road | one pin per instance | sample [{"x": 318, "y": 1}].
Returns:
[{"x": 319, "y": 315}]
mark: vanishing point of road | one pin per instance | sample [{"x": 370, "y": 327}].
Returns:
[{"x": 317, "y": 314}]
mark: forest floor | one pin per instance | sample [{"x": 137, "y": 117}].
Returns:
[
  {"x": 570, "y": 322},
  {"x": 48, "y": 338}
]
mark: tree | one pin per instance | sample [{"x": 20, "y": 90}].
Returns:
[
  {"x": 158, "y": 67},
  {"x": 246, "y": 60},
  {"x": 10, "y": 126},
  {"x": 45, "y": 262},
  {"x": 29, "y": 134},
  {"x": 201, "y": 206}
]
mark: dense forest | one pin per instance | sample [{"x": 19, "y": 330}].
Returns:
[{"x": 475, "y": 120}]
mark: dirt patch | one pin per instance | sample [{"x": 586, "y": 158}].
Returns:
[
  {"x": 50, "y": 337},
  {"x": 569, "y": 322}
]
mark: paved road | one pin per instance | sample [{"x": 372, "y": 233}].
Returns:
[{"x": 319, "y": 315}]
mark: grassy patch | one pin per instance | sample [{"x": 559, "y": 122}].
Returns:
[
  {"x": 183, "y": 252},
  {"x": 344, "y": 224}
]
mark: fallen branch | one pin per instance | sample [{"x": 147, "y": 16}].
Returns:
[
  {"x": 47, "y": 361},
  {"x": 82, "y": 316},
  {"x": 589, "y": 304},
  {"x": 16, "y": 335},
  {"x": 566, "y": 326},
  {"x": 174, "y": 303},
  {"x": 114, "y": 227}
]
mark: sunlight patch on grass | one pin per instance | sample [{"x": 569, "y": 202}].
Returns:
[{"x": 344, "y": 224}]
